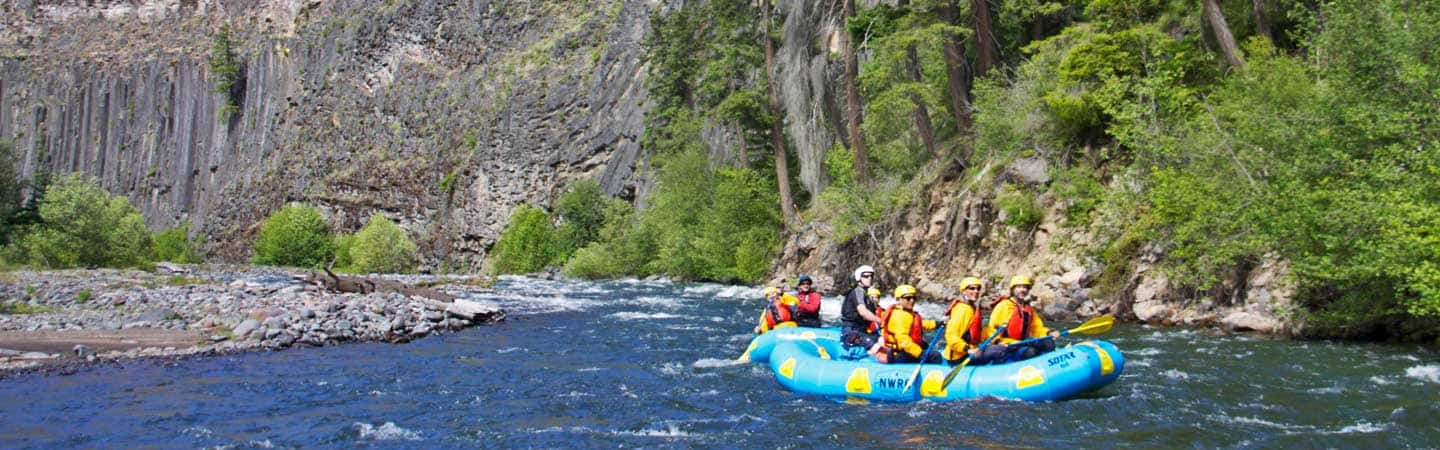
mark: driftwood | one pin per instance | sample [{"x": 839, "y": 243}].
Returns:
[{"x": 365, "y": 285}]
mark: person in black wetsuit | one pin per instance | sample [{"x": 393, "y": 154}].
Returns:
[{"x": 860, "y": 322}]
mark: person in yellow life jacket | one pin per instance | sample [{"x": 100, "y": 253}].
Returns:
[
  {"x": 963, "y": 331},
  {"x": 1021, "y": 321},
  {"x": 779, "y": 311},
  {"x": 903, "y": 330}
]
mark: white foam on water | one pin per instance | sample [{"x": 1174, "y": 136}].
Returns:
[
  {"x": 1137, "y": 363},
  {"x": 1362, "y": 427},
  {"x": 1381, "y": 381},
  {"x": 200, "y": 432},
  {"x": 709, "y": 363},
  {"x": 1250, "y": 421},
  {"x": 671, "y": 368},
  {"x": 1175, "y": 374},
  {"x": 633, "y": 315},
  {"x": 575, "y": 394},
  {"x": 376, "y": 393},
  {"x": 262, "y": 444},
  {"x": 591, "y": 369},
  {"x": 704, "y": 289},
  {"x": 388, "y": 431},
  {"x": 670, "y": 431},
  {"x": 739, "y": 292},
  {"x": 1429, "y": 373},
  {"x": 509, "y": 349},
  {"x": 1145, "y": 352},
  {"x": 1326, "y": 390},
  {"x": 1411, "y": 358}
]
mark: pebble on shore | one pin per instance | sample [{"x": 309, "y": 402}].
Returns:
[{"x": 226, "y": 309}]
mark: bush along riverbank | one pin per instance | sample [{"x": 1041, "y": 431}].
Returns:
[{"x": 60, "y": 319}]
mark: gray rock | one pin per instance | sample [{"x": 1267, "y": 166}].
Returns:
[
  {"x": 155, "y": 315},
  {"x": 434, "y": 316},
  {"x": 307, "y": 313},
  {"x": 245, "y": 328},
  {"x": 422, "y": 328},
  {"x": 272, "y": 333},
  {"x": 274, "y": 323},
  {"x": 469, "y": 309},
  {"x": 83, "y": 351},
  {"x": 1246, "y": 320},
  {"x": 1029, "y": 170}
]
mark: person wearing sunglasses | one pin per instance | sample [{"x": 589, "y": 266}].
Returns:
[
  {"x": 860, "y": 325},
  {"x": 904, "y": 334},
  {"x": 1021, "y": 320},
  {"x": 963, "y": 329}
]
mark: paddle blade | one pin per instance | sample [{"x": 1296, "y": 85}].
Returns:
[
  {"x": 1095, "y": 326},
  {"x": 953, "y": 372}
]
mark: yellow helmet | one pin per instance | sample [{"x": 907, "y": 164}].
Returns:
[
  {"x": 772, "y": 290},
  {"x": 904, "y": 290},
  {"x": 1020, "y": 280},
  {"x": 971, "y": 281},
  {"x": 873, "y": 292}
]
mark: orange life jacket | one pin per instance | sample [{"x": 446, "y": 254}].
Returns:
[
  {"x": 1019, "y": 324},
  {"x": 972, "y": 330},
  {"x": 917, "y": 328},
  {"x": 777, "y": 312}
]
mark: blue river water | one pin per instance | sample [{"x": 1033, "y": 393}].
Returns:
[{"x": 648, "y": 364}]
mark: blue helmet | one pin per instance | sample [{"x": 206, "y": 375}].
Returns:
[{"x": 804, "y": 279}]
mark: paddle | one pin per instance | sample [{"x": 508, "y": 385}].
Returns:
[
  {"x": 939, "y": 331},
  {"x": 956, "y": 371},
  {"x": 1093, "y": 326}
]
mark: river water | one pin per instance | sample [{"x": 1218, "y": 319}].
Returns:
[{"x": 646, "y": 364}]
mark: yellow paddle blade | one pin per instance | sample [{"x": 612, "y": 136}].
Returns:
[{"x": 1095, "y": 326}]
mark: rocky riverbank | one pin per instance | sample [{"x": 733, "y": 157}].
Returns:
[{"x": 58, "y": 319}]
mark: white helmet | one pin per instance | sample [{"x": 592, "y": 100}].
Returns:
[{"x": 862, "y": 270}]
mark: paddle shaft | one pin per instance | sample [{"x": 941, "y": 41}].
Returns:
[
  {"x": 1093, "y": 326},
  {"x": 956, "y": 371},
  {"x": 925, "y": 354}
]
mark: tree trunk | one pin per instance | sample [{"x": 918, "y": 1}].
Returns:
[
  {"x": 742, "y": 154},
  {"x": 986, "y": 51},
  {"x": 1213, "y": 15},
  {"x": 1261, "y": 26},
  {"x": 921, "y": 114},
  {"x": 777, "y": 137},
  {"x": 957, "y": 72},
  {"x": 852, "y": 98}
]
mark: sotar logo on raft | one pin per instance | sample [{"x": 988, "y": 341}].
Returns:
[{"x": 1065, "y": 358}]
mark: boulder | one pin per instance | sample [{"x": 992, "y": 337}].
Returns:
[
  {"x": 471, "y": 310},
  {"x": 1248, "y": 320},
  {"x": 245, "y": 328},
  {"x": 1029, "y": 170}
]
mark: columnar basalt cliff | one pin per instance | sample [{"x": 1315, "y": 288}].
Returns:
[{"x": 444, "y": 116}]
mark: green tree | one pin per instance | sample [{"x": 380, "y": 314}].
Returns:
[
  {"x": 527, "y": 244},
  {"x": 581, "y": 212},
  {"x": 82, "y": 225},
  {"x": 174, "y": 245},
  {"x": 382, "y": 247},
  {"x": 294, "y": 236}
]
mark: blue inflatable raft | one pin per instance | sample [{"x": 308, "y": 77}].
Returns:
[
  {"x": 761, "y": 346},
  {"x": 799, "y": 366}
]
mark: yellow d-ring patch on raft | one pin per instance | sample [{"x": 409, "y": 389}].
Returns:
[
  {"x": 808, "y": 335},
  {"x": 859, "y": 382},
  {"x": 1107, "y": 365},
  {"x": 788, "y": 368},
  {"x": 934, "y": 384},
  {"x": 1029, "y": 376},
  {"x": 746, "y": 356}
]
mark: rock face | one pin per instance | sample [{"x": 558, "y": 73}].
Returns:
[
  {"x": 956, "y": 230},
  {"x": 443, "y": 116}
]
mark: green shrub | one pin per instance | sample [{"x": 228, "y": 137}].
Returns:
[
  {"x": 526, "y": 245},
  {"x": 83, "y": 296},
  {"x": 226, "y": 68},
  {"x": 174, "y": 245},
  {"x": 1019, "y": 207},
  {"x": 81, "y": 225},
  {"x": 581, "y": 210},
  {"x": 344, "y": 247},
  {"x": 294, "y": 236},
  {"x": 15, "y": 308},
  {"x": 382, "y": 247}
]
